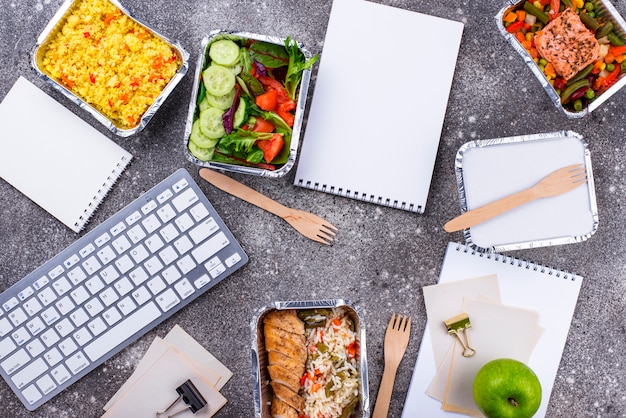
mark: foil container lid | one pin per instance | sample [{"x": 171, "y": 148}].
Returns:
[
  {"x": 299, "y": 111},
  {"x": 529, "y": 144},
  {"x": 56, "y": 23},
  {"x": 259, "y": 356},
  {"x": 604, "y": 8}
]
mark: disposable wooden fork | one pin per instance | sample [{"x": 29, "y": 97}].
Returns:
[
  {"x": 558, "y": 182},
  {"x": 309, "y": 225},
  {"x": 396, "y": 341}
]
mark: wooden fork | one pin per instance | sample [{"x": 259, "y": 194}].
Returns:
[
  {"x": 396, "y": 341},
  {"x": 309, "y": 225},
  {"x": 558, "y": 182}
]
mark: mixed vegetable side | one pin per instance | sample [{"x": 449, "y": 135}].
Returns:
[
  {"x": 532, "y": 16},
  {"x": 247, "y": 101}
]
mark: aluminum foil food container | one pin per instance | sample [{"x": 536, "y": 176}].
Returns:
[
  {"x": 601, "y": 8},
  {"x": 261, "y": 379},
  {"x": 57, "y": 23},
  {"x": 487, "y": 170},
  {"x": 203, "y": 60}
]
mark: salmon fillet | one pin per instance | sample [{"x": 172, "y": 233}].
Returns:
[{"x": 567, "y": 44}]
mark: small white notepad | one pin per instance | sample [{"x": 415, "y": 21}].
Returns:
[
  {"x": 551, "y": 292},
  {"x": 54, "y": 157},
  {"x": 379, "y": 104}
]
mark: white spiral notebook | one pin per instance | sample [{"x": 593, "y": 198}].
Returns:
[
  {"x": 550, "y": 292},
  {"x": 54, "y": 157},
  {"x": 379, "y": 104}
]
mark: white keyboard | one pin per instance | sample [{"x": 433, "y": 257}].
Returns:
[{"x": 112, "y": 286}]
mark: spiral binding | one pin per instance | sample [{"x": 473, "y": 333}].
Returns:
[
  {"x": 364, "y": 197},
  {"x": 102, "y": 192},
  {"x": 529, "y": 265}
]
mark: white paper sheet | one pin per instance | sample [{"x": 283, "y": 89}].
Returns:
[
  {"x": 54, "y": 157},
  {"x": 378, "y": 107}
]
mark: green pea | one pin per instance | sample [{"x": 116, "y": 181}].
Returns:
[
  {"x": 610, "y": 67},
  {"x": 623, "y": 65},
  {"x": 543, "y": 62},
  {"x": 590, "y": 94},
  {"x": 589, "y": 6},
  {"x": 591, "y": 14}
]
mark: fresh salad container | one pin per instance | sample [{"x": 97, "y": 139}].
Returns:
[
  {"x": 263, "y": 392},
  {"x": 247, "y": 103},
  {"x": 109, "y": 63},
  {"x": 583, "y": 88}
]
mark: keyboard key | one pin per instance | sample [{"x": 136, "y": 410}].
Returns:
[
  {"x": 168, "y": 255},
  {"x": 47, "y": 296},
  {"x": 124, "y": 264},
  {"x": 139, "y": 254},
  {"x": 106, "y": 254},
  {"x": 201, "y": 281},
  {"x": 97, "y": 326},
  {"x": 169, "y": 232},
  {"x": 154, "y": 243},
  {"x": 184, "y": 222},
  {"x": 121, "y": 244},
  {"x": 183, "y": 245},
  {"x": 82, "y": 336},
  {"x": 65, "y": 305},
  {"x": 6, "y": 347},
  {"x": 171, "y": 274},
  {"x": 32, "y": 306},
  {"x": 138, "y": 276},
  {"x": 10, "y": 304},
  {"x": 40, "y": 283},
  {"x": 53, "y": 356},
  {"x": 34, "y": 348},
  {"x": 108, "y": 296},
  {"x": 64, "y": 327},
  {"x": 184, "y": 288},
  {"x": 123, "y": 330},
  {"x": 109, "y": 274},
  {"x": 14, "y": 362},
  {"x": 86, "y": 250},
  {"x": 112, "y": 315},
  {"x": 199, "y": 211},
  {"x": 153, "y": 265},
  {"x": 5, "y": 327},
  {"x": 133, "y": 217},
  {"x": 49, "y": 337},
  {"x": 136, "y": 234},
  {"x": 31, "y": 394},
  {"x": 50, "y": 315},
  {"x": 55, "y": 272},
  {"x": 166, "y": 213},
  {"x": 60, "y": 374},
  {"x": 185, "y": 199},
  {"x": 26, "y": 293},
  {"x": 167, "y": 300},
  {"x": 91, "y": 265},
  {"x": 71, "y": 261},
  {"x": 79, "y": 295},
  {"x": 123, "y": 286},
  {"x": 94, "y": 307},
  {"x": 94, "y": 285},
  {"x": 29, "y": 373},
  {"x": 232, "y": 260},
  {"x": 126, "y": 306},
  {"x": 67, "y": 346},
  {"x": 79, "y": 317},
  {"x": 210, "y": 247},
  {"x": 77, "y": 275},
  {"x": 186, "y": 264},
  {"x": 204, "y": 230},
  {"x": 141, "y": 295},
  {"x": 35, "y": 326},
  {"x": 46, "y": 384},
  {"x": 165, "y": 196},
  {"x": 77, "y": 363},
  {"x": 151, "y": 223},
  {"x": 61, "y": 286},
  {"x": 149, "y": 207},
  {"x": 17, "y": 316},
  {"x": 20, "y": 336},
  {"x": 156, "y": 285},
  {"x": 102, "y": 239},
  {"x": 180, "y": 185},
  {"x": 118, "y": 229}
]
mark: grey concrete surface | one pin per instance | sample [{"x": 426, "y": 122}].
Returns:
[{"x": 382, "y": 257}]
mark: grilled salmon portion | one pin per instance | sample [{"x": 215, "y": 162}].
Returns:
[{"x": 567, "y": 44}]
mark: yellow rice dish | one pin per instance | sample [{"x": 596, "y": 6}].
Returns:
[{"x": 110, "y": 61}]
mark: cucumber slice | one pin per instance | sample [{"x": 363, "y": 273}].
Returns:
[
  {"x": 241, "y": 113},
  {"x": 211, "y": 124},
  {"x": 203, "y": 154},
  {"x": 224, "y": 52},
  {"x": 221, "y": 102},
  {"x": 200, "y": 139},
  {"x": 204, "y": 104},
  {"x": 218, "y": 80}
]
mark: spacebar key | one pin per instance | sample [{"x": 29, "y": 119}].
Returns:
[{"x": 119, "y": 333}]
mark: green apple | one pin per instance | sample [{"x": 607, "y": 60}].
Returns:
[{"x": 507, "y": 388}]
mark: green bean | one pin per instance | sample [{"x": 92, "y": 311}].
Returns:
[
  {"x": 581, "y": 74},
  {"x": 321, "y": 347},
  {"x": 615, "y": 39},
  {"x": 623, "y": 65},
  {"x": 535, "y": 11},
  {"x": 347, "y": 411},
  {"x": 578, "y": 105},
  {"x": 605, "y": 30},
  {"x": 567, "y": 3},
  {"x": 327, "y": 389},
  {"x": 569, "y": 90},
  {"x": 590, "y": 22},
  {"x": 304, "y": 313}
]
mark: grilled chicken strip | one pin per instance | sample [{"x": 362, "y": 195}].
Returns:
[
  {"x": 288, "y": 396},
  {"x": 290, "y": 344},
  {"x": 285, "y": 319},
  {"x": 282, "y": 410}
]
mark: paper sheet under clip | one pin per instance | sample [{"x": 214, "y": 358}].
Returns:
[
  {"x": 458, "y": 325},
  {"x": 189, "y": 394}
]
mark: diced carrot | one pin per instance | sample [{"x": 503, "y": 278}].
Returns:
[
  {"x": 548, "y": 70},
  {"x": 336, "y": 322},
  {"x": 619, "y": 59},
  {"x": 521, "y": 15},
  {"x": 109, "y": 17},
  {"x": 271, "y": 148},
  {"x": 262, "y": 125},
  {"x": 609, "y": 58},
  {"x": 315, "y": 387},
  {"x": 510, "y": 17},
  {"x": 267, "y": 100},
  {"x": 598, "y": 66},
  {"x": 533, "y": 52},
  {"x": 69, "y": 83},
  {"x": 527, "y": 45},
  {"x": 520, "y": 36},
  {"x": 618, "y": 50},
  {"x": 157, "y": 63}
]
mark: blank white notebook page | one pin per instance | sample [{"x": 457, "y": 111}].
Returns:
[
  {"x": 378, "y": 105},
  {"x": 54, "y": 157}
]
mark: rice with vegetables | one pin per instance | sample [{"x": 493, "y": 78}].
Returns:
[
  {"x": 330, "y": 384},
  {"x": 110, "y": 61}
]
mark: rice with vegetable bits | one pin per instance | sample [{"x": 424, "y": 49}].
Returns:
[
  {"x": 110, "y": 61},
  {"x": 331, "y": 381}
]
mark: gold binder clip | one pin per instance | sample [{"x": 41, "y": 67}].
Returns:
[
  {"x": 458, "y": 325},
  {"x": 193, "y": 399}
]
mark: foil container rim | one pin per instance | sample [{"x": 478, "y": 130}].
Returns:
[
  {"x": 150, "y": 111},
  {"x": 308, "y": 304},
  {"x": 299, "y": 114},
  {"x": 549, "y": 89},
  {"x": 479, "y": 143}
]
